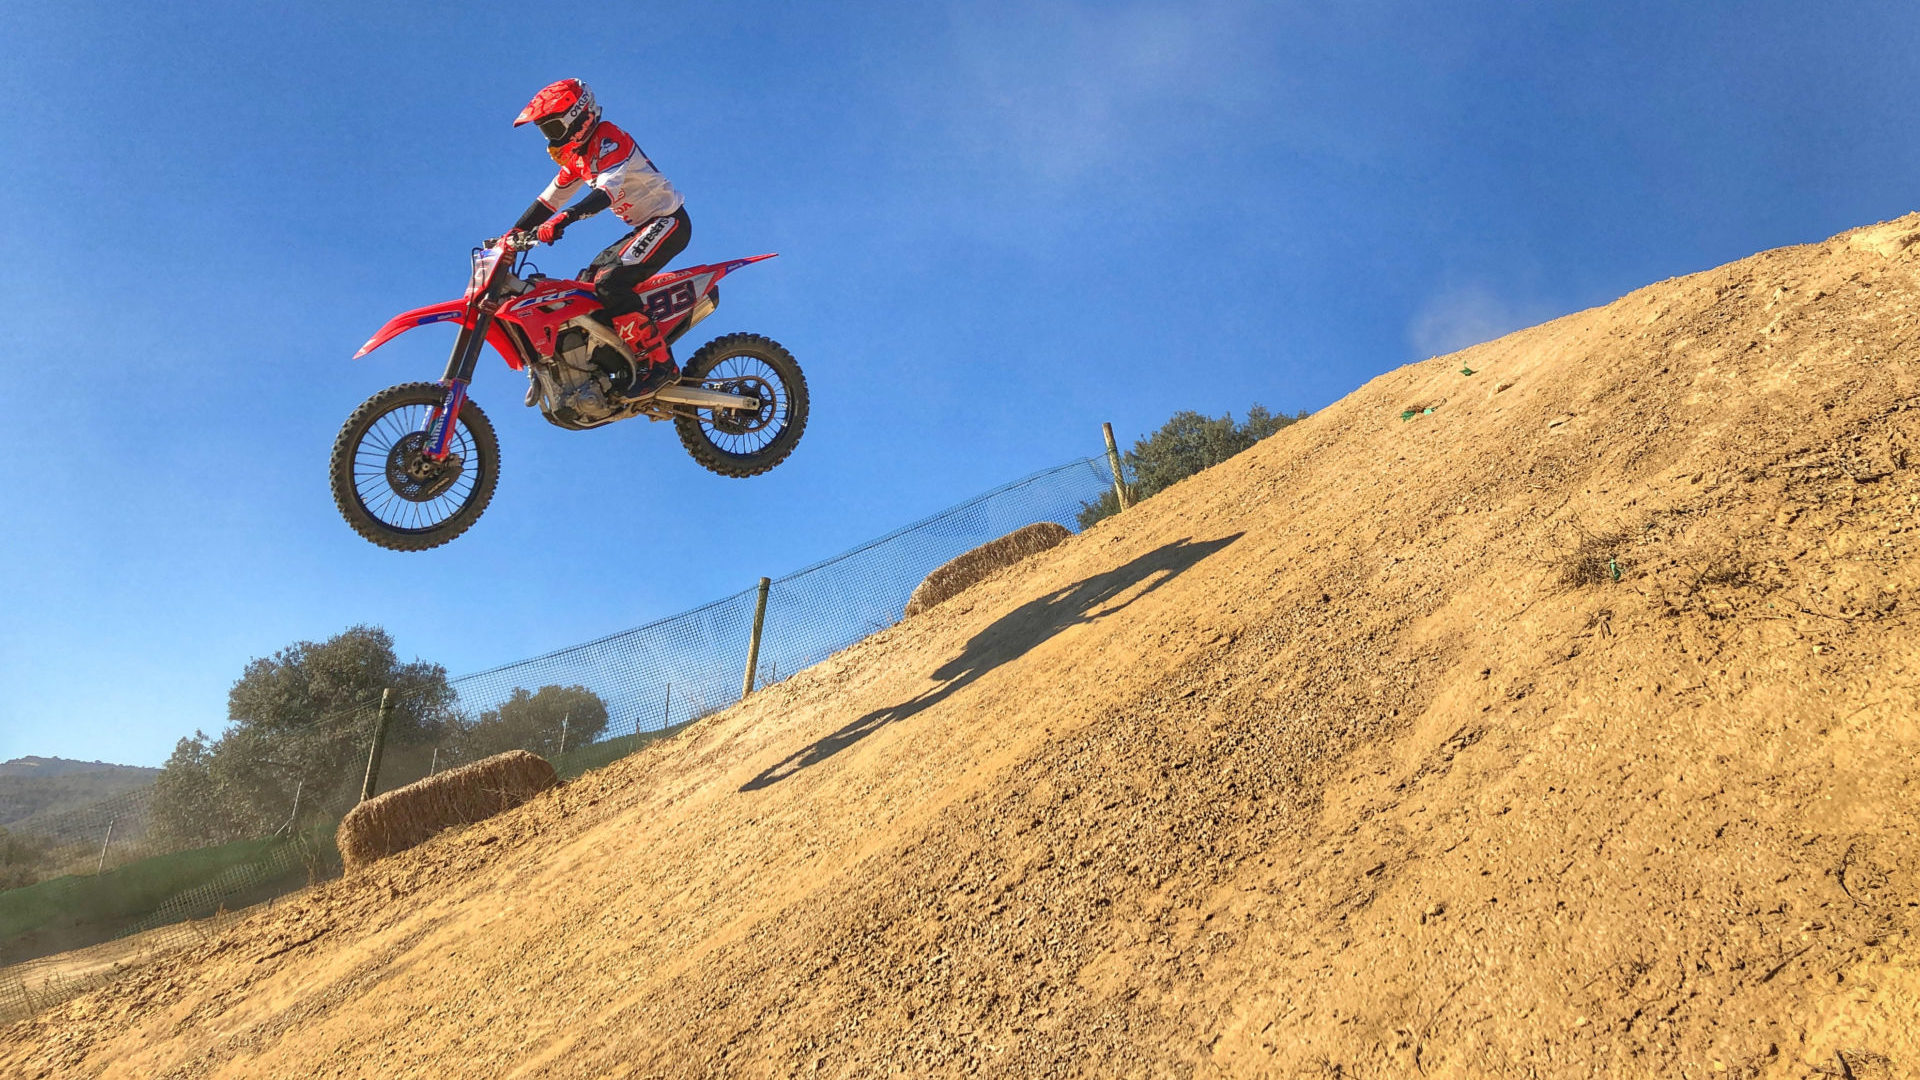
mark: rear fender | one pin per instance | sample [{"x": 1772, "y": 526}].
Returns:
[
  {"x": 669, "y": 298},
  {"x": 720, "y": 270}
]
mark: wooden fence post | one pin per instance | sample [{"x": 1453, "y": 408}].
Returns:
[
  {"x": 1113, "y": 462},
  {"x": 753, "y": 644},
  {"x": 379, "y": 745},
  {"x": 98, "y": 870}
]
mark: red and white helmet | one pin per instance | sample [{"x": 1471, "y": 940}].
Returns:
[{"x": 564, "y": 110}]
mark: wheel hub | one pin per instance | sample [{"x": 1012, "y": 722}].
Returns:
[
  {"x": 744, "y": 421},
  {"x": 416, "y": 477}
]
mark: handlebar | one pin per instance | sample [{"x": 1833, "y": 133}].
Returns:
[{"x": 517, "y": 241}]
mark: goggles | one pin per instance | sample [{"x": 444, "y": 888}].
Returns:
[{"x": 556, "y": 128}]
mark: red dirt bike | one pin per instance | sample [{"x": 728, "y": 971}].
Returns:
[{"x": 416, "y": 464}]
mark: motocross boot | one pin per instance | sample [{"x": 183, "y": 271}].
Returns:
[{"x": 649, "y": 348}]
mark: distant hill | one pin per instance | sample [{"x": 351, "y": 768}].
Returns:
[
  {"x": 55, "y": 766},
  {"x": 40, "y": 786}
]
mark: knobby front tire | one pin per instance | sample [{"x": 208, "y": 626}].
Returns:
[
  {"x": 731, "y": 446},
  {"x": 379, "y": 499}
]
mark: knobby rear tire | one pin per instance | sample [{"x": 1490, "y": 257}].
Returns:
[
  {"x": 694, "y": 436},
  {"x": 347, "y": 497}
]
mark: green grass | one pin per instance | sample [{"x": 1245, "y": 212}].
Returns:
[
  {"x": 607, "y": 751},
  {"x": 76, "y": 910},
  {"x": 82, "y": 909}
]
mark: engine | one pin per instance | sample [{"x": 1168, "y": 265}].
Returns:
[{"x": 582, "y": 387}]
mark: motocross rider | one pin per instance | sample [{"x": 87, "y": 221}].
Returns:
[{"x": 593, "y": 153}]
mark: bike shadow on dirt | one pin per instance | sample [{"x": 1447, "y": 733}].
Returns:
[{"x": 1011, "y": 636}]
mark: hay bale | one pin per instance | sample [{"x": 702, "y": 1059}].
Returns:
[
  {"x": 409, "y": 815},
  {"x": 982, "y": 562}
]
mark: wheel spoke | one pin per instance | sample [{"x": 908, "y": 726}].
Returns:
[
  {"x": 382, "y": 448},
  {"x": 765, "y": 383}
]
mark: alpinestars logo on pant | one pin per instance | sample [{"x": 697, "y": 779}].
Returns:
[{"x": 649, "y": 238}]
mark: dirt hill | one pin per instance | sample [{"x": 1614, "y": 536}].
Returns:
[{"x": 1567, "y": 729}]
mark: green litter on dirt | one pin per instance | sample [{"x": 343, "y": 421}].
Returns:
[
  {"x": 1613, "y": 564},
  {"x": 1466, "y": 371}
]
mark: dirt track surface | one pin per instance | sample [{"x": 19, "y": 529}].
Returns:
[{"x": 1348, "y": 757}]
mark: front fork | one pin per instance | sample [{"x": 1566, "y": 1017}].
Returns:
[{"x": 460, "y": 365}]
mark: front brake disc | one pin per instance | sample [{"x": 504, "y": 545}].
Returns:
[{"x": 416, "y": 477}]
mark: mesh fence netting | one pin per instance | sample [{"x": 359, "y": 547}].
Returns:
[{"x": 126, "y": 894}]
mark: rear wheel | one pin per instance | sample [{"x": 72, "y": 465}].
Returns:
[
  {"x": 391, "y": 491},
  {"x": 745, "y": 441}
]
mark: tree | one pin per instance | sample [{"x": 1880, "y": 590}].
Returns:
[
  {"x": 1187, "y": 443},
  {"x": 533, "y": 722},
  {"x": 186, "y": 807},
  {"x": 24, "y": 860},
  {"x": 300, "y": 722}
]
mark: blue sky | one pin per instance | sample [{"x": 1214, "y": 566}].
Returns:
[{"x": 1000, "y": 224}]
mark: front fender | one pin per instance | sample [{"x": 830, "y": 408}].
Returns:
[{"x": 449, "y": 311}]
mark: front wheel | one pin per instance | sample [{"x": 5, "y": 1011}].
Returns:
[
  {"x": 746, "y": 441},
  {"x": 387, "y": 486}
]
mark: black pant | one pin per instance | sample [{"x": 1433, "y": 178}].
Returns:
[{"x": 636, "y": 257}]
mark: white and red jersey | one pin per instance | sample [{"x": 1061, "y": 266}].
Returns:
[{"x": 610, "y": 161}]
